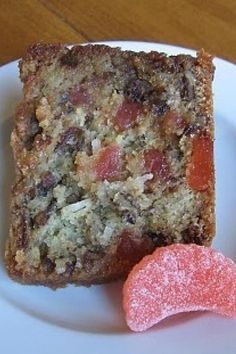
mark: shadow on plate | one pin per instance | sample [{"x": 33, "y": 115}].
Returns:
[
  {"x": 7, "y": 178},
  {"x": 109, "y": 322},
  {"x": 99, "y": 325},
  {"x": 9, "y": 100}
]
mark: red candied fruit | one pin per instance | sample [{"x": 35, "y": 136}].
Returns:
[
  {"x": 79, "y": 96},
  {"x": 131, "y": 247},
  {"x": 126, "y": 115},
  {"x": 108, "y": 163},
  {"x": 179, "y": 278},
  {"x": 155, "y": 162},
  {"x": 172, "y": 123},
  {"x": 199, "y": 172}
]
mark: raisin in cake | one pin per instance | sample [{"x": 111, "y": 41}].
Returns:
[{"x": 114, "y": 157}]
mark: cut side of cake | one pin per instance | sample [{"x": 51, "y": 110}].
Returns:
[{"x": 114, "y": 158}]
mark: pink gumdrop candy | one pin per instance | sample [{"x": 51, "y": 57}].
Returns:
[{"x": 179, "y": 278}]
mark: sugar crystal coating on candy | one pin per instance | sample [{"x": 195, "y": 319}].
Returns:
[{"x": 179, "y": 278}]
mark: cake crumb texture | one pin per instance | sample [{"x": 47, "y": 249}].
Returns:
[{"x": 114, "y": 158}]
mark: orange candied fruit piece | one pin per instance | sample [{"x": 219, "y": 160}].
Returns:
[
  {"x": 199, "y": 172},
  {"x": 172, "y": 280}
]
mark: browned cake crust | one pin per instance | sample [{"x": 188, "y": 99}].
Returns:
[{"x": 114, "y": 157}]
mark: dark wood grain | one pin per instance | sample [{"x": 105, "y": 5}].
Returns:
[{"x": 191, "y": 23}]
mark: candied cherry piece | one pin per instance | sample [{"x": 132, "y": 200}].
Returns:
[
  {"x": 79, "y": 96},
  {"x": 108, "y": 163},
  {"x": 155, "y": 162},
  {"x": 132, "y": 248},
  {"x": 199, "y": 172},
  {"x": 173, "y": 123},
  {"x": 126, "y": 115},
  {"x": 179, "y": 278}
]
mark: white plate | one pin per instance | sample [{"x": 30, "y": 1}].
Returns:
[{"x": 90, "y": 320}]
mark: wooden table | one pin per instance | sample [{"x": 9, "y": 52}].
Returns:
[{"x": 192, "y": 23}]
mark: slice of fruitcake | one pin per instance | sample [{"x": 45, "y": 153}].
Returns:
[{"x": 114, "y": 157}]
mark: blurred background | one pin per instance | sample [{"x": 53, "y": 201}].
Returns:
[{"x": 210, "y": 24}]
